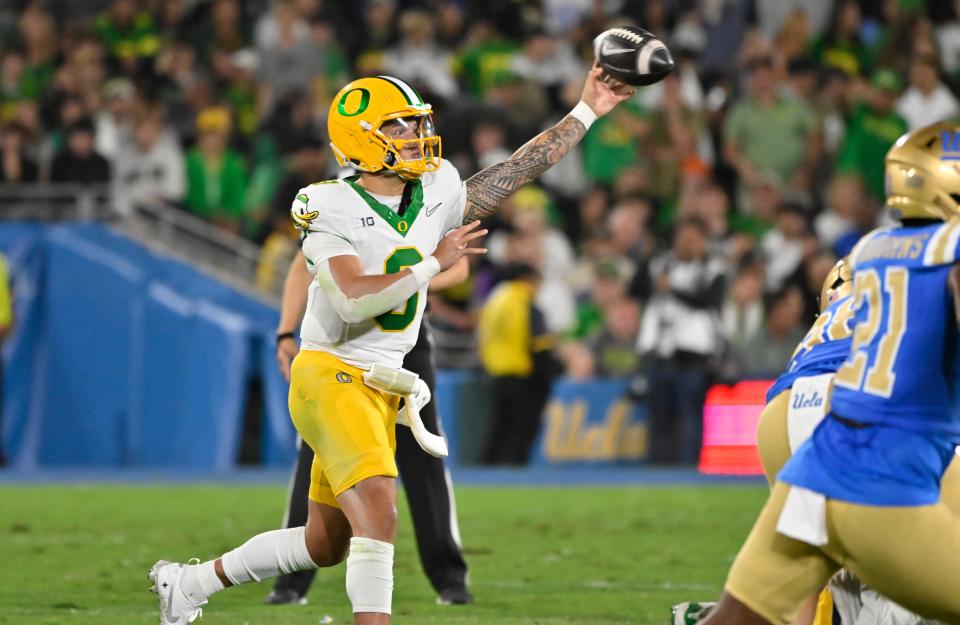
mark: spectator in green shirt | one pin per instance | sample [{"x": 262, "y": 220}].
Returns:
[
  {"x": 129, "y": 34},
  {"x": 486, "y": 57},
  {"x": 12, "y": 90},
  {"x": 38, "y": 35},
  {"x": 216, "y": 174},
  {"x": 842, "y": 47},
  {"x": 871, "y": 131},
  {"x": 767, "y": 133},
  {"x": 613, "y": 142}
]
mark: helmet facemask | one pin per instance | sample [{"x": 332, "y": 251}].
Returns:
[
  {"x": 410, "y": 142},
  {"x": 838, "y": 283}
]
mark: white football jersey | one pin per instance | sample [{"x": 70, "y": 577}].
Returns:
[{"x": 342, "y": 218}]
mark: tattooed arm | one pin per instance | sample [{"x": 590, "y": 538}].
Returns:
[{"x": 487, "y": 189}]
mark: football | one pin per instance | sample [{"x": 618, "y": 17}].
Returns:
[{"x": 632, "y": 55}]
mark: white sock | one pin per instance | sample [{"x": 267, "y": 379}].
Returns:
[
  {"x": 370, "y": 575},
  {"x": 267, "y": 555},
  {"x": 199, "y": 581}
]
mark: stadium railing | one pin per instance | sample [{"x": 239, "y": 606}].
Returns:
[{"x": 161, "y": 227}]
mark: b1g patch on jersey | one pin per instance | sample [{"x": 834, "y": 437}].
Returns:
[{"x": 362, "y": 222}]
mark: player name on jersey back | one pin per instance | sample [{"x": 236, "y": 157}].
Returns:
[{"x": 898, "y": 368}]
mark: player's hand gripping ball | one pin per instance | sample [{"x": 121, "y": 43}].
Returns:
[{"x": 632, "y": 55}]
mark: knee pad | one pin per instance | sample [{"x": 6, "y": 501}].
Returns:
[{"x": 370, "y": 575}]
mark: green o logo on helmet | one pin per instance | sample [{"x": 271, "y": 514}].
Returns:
[{"x": 361, "y": 106}]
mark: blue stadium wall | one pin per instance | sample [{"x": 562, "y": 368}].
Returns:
[{"x": 125, "y": 358}]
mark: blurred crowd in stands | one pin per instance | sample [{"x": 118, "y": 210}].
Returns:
[{"x": 686, "y": 237}]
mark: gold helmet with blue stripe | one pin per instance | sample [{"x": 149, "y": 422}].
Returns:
[
  {"x": 381, "y": 123},
  {"x": 923, "y": 173},
  {"x": 838, "y": 283}
]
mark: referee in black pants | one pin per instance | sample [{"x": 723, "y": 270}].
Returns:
[{"x": 425, "y": 478}]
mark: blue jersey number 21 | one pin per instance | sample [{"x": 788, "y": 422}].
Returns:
[{"x": 867, "y": 291}]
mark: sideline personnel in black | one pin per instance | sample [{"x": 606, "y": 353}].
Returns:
[{"x": 425, "y": 478}]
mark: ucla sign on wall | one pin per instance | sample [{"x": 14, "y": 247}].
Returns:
[{"x": 592, "y": 422}]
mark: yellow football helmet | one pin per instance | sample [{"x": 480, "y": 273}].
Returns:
[
  {"x": 923, "y": 173},
  {"x": 358, "y": 116},
  {"x": 838, "y": 283}
]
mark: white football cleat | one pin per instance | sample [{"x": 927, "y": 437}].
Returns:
[{"x": 175, "y": 607}]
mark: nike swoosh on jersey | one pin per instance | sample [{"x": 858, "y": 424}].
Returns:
[{"x": 433, "y": 208}]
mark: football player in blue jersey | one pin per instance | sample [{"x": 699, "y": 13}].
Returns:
[
  {"x": 798, "y": 399},
  {"x": 790, "y": 415},
  {"x": 863, "y": 492}
]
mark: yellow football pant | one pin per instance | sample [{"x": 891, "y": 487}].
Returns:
[{"x": 349, "y": 426}]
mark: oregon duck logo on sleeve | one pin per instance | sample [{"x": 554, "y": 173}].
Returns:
[{"x": 302, "y": 215}]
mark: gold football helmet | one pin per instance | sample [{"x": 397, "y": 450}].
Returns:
[
  {"x": 380, "y": 123},
  {"x": 923, "y": 173},
  {"x": 838, "y": 283}
]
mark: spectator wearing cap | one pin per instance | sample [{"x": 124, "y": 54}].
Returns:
[
  {"x": 769, "y": 133},
  {"x": 614, "y": 349},
  {"x": 79, "y": 161},
  {"x": 149, "y": 169},
  {"x": 872, "y": 130},
  {"x": 607, "y": 286},
  {"x": 114, "y": 124},
  {"x": 927, "y": 100},
  {"x": 680, "y": 337},
  {"x": 243, "y": 91},
  {"x": 216, "y": 174}
]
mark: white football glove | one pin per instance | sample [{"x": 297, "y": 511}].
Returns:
[{"x": 421, "y": 397}]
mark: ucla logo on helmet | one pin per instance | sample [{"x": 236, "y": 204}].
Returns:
[{"x": 950, "y": 145}]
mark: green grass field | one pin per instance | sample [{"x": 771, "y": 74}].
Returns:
[{"x": 550, "y": 556}]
